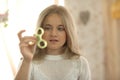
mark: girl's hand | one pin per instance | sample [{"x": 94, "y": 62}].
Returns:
[{"x": 27, "y": 44}]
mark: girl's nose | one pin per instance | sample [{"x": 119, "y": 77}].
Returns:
[{"x": 54, "y": 32}]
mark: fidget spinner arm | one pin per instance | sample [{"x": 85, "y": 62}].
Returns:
[{"x": 41, "y": 43}]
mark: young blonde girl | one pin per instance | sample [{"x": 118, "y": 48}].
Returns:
[{"x": 61, "y": 59}]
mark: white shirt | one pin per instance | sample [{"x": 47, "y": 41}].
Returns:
[{"x": 57, "y": 68}]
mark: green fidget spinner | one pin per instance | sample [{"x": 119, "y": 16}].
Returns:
[{"x": 41, "y": 43}]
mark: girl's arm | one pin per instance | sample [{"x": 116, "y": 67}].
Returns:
[
  {"x": 85, "y": 73},
  {"x": 23, "y": 71}
]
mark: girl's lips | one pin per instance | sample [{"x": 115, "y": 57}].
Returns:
[{"x": 53, "y": 40}]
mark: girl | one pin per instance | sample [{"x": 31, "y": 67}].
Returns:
[{"x": 61, "y": 59}]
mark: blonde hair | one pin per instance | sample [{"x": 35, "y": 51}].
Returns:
[{"x": 72, "y": 46}]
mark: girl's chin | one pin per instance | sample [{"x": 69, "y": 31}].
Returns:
[{"x": 53, "y": 47}]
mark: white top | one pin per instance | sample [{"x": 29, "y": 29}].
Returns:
[{"x": 55, "y": 67}]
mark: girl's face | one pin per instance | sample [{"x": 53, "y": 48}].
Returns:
[{"x": 55, "y": 33}]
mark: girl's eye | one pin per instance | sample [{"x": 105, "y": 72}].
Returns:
[
  {"x": 61, "y": 28},
  {"x": 47, "y": 27}
]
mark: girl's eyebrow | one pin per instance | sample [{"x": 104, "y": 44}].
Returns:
[
  {"x": 61, "y": 25},
  {"x": 51, "y": 25},
  {"x": 47, "y": 25}
]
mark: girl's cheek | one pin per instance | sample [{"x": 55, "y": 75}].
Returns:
[{"x": 44, "y": 36}]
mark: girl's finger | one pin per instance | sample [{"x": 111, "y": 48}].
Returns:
[{"x": 20, "y": 34}]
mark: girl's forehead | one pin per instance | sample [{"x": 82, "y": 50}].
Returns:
[
  {"x": 53, "y": 15},
  {"x": 53, "y": 18}
]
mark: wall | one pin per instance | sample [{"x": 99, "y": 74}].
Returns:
[{"x": 91, "y": 34}]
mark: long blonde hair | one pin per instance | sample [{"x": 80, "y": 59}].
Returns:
[{"x": 72, "y": 45}]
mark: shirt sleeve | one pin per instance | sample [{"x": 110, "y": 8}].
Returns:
[{"x": 84, "y": 73}]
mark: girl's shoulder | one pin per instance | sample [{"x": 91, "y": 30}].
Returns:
[
  {"x": 84, "y": 68},
  {"x": 82, "y": 61}
]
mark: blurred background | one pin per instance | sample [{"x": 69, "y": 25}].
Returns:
[{"x": 98, "y": 23}]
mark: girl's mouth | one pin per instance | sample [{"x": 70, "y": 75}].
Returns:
[{"x": 53, "y": 40}]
